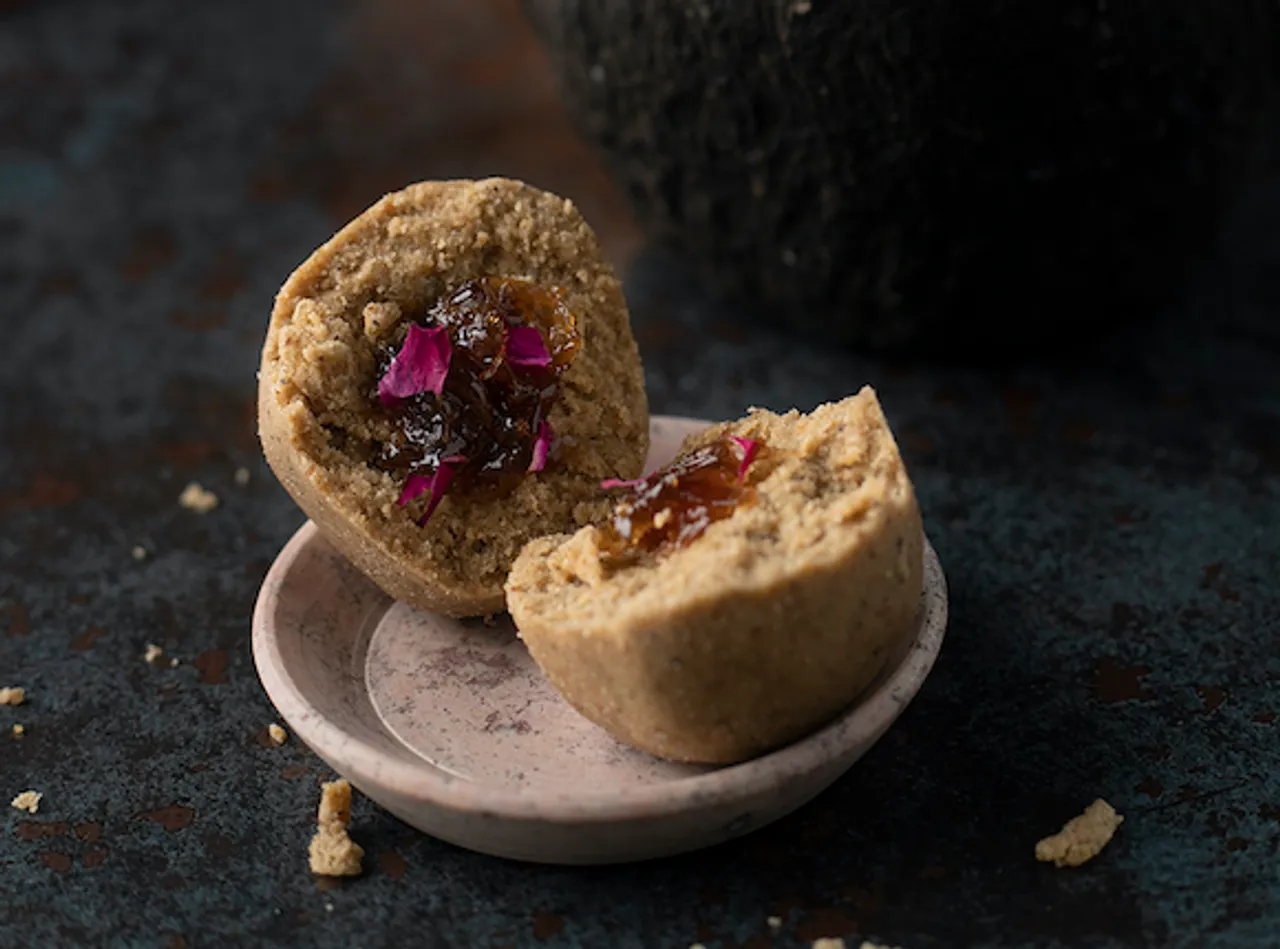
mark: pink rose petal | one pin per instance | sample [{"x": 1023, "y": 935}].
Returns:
[
  {"x": 526, "y": 347},
  {"x": 749, "y": 448},
  {"x": 413, "y": 488},
  {"x": 540, "y": 447},
  {"x": 610, "y": 483},
  {"x": 422, "y": 365},
  {"x": 436, "y": 485}
]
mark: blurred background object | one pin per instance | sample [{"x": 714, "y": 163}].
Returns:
[{"x": 894, "y": 174}]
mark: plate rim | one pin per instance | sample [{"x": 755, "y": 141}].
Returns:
[{"x": 416, "y": 780}]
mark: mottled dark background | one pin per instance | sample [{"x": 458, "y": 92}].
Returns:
[{"x": 1109, "y": 529}]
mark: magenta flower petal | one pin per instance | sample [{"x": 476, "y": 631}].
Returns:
[
  {"x": 436, "y": 485},
  {"x": 439, "y": 485},
  {"x": 525, "y": 347},
  {"x": 540, "y": 447},
  {"x": 610, "y": 483},
  {"x": 422, "y": 365},
  {"x": 413, "y": 488},
  {"x": 749, "y": 448}
]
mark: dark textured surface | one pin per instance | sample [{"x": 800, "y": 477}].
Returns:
[
  {"x": 889, "y": 172},
  {"x": 1109, "y": 532}
]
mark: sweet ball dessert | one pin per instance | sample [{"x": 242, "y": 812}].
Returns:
[
  {"x": 738, "y": 598},
  {"x": 449, "y": 377}
]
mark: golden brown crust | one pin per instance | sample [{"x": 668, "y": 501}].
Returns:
[
  {"x": 317, "y": 376},
  {"x": 768, "y": 625}
]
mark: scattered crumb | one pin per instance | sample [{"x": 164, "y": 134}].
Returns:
[
  {"x": 28, "y": 801},
  {"x": 13, "y": 696},
  {"x": 332, "y": 852},
  {"x": 242, "y": 476},
  {"x": 277, "y": 734},
  {"x": 173, "y": 661},
  {"x": 198, "y": 499},
  {"x": 17, "y": 731},
  {"x": 139, "y": 552},
  {"x": 153, "y": 654},
  {"x": 827, "y": 942},
  {"x": 328, "y": 907},
  {"x": 775, "y": 923},
  {"x": 1081, "y": 838}
]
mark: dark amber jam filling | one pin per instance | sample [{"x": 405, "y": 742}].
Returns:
[
  {"x": 486, "y": 421},
  {"x": 671, "y": 508}
]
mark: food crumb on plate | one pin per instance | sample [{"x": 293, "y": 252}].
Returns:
[
  {"x": 18, "y": 731},
  {"x": 774, "y": 923},
  {"x": 1081, "y": 838},
  {"x": 277, "y": 734},
  {"x": 153, "y": 653},
  {"x": 28, "y": 801},
  {"x": 242, "y": 476},
  {"x": 196, "y": 498},
  {"x": 332, "y": 851},
  {"x": 13, "y": 695},
  {"x": 139, "y": 552}
]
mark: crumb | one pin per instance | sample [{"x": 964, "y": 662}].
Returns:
[
  {"x": 139, "y": 552},
  {"x": 153, "y": 654},
  {"x": 28, "y": 801},
  {"x": 13, "y": 696},
  {"x": 332, "y": 852},
  {"x": 774, "y": 922},
  {"x": 277, "y": 734},
  {"x": 173, "y": 661},
  {"x": 241, "y": 476},
  {"x": 827, "y": 942},
  {"x": 328, "y": 907},
  {"x": 17, "y": 731},
  {"x": 1081, "y": 838},
  {"x": 198, "y": 499}
]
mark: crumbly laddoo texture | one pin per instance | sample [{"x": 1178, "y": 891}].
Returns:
[
  {"x": 1081, "y": 838},
  {"x": 318, "y": 417},
  {"x": 332, "y": 852},
  {"x": 763, "y": 628},
  {"x": 195, "y": 497},
  {"x": 28, "y": 801}
]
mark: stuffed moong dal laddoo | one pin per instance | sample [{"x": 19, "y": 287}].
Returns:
[
  {"x": 740, "y": 598},
  {"x": 450, "y": 376},
  {"x": 450, "y": 390}
]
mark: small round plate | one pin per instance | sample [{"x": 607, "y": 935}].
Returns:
[{"x": 449, "y": 725}]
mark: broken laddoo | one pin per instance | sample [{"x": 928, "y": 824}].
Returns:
[
  {"x": 451, "y": 376},
  {"x": 738, "y": 598}
]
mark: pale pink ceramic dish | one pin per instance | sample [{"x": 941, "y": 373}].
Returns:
[{"x": 450, "y": 726}]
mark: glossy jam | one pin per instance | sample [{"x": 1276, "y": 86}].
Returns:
[
  {"x": 671, "y": 508},
  {"x": 490, "y": 411}
]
